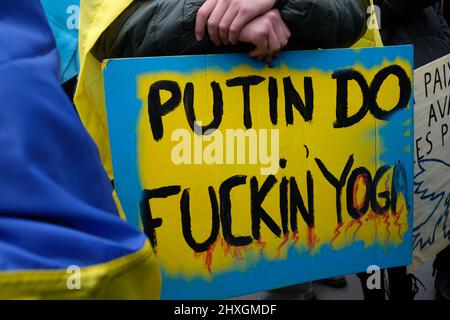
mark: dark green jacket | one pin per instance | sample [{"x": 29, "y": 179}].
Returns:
[{"x": 166, "y": 27}]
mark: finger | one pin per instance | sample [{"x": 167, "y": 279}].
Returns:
[
  {"x": 276, "y": 55},
  {"x": 214, "y": 20},
  {"x": 269, "y": 58},
  {"x": 287, "y": 32},
  {"x": 282, "y": 33},
  {"x": 273, "y": 45},
  {"x": 261, "y": 50},
  {"x": 225, "y": 23},
  {"x": 281, "y": 28},
  {"x": 202, "y": 17},
  {"x": 272, "y": 42},
  {"x": 236, "y": 26}
]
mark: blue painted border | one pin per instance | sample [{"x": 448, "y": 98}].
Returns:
[{"x": 120, "y": 85}]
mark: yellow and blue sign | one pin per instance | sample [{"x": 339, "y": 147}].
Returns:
[{"x": 247, "y": 177}]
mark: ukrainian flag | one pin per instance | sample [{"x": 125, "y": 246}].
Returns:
[{"x": 60, "y": 234}]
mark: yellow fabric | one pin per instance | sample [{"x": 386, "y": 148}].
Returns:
[
  {"x": 372, "y": 37},
  {"x": 119, "y": 206},
  {"x": 95, "y": 17},
  {"x": 135, "y": 276}
]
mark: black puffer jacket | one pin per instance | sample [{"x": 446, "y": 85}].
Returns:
[
  {"x": 417, "y": 22},
  {"x": 166, "y": 27}
]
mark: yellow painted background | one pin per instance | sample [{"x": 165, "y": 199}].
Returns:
[{"x": 332, "y": 146}]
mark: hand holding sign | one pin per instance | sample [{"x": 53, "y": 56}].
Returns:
[{"x": 268, "y": 33}]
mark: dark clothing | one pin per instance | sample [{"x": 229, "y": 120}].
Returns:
[
  {"x": 443, "y": 259},
  {"x": 374, "y": 293},
  {"x": 167, "y": 27},
  {"x": 417, "y": 22},
  {"x": 446, "y": 10},
  {"x": 69, "y": 87},
  {"x": 442, "y": 273}
]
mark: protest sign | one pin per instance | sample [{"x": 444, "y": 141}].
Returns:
[
  {"x": 248, "y": 177},
  {"x": 432, "y": 160}
]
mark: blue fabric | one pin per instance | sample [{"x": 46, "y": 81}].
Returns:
[
  {"x": 63, "y": 18},
  {"x": 56, "y": 207}
]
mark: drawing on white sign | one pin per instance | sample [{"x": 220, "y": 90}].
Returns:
[{"x": 432, "y": 160}]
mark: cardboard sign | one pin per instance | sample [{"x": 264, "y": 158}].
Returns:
[
  {"x": 248, "y": 177},
  {"x": 432, "y": 160}
]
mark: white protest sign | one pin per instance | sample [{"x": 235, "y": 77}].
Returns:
[{"x": 432, "y": 160}]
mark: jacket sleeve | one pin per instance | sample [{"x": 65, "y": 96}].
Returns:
[
  {"x": 153, "y": 28},
  {"x": 392, "y": 10},
  {"x": 167, "y": 27},
  {"x": 325, "y": 23}
]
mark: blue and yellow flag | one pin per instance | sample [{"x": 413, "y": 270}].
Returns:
[{"x": 60, "y": 234}]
